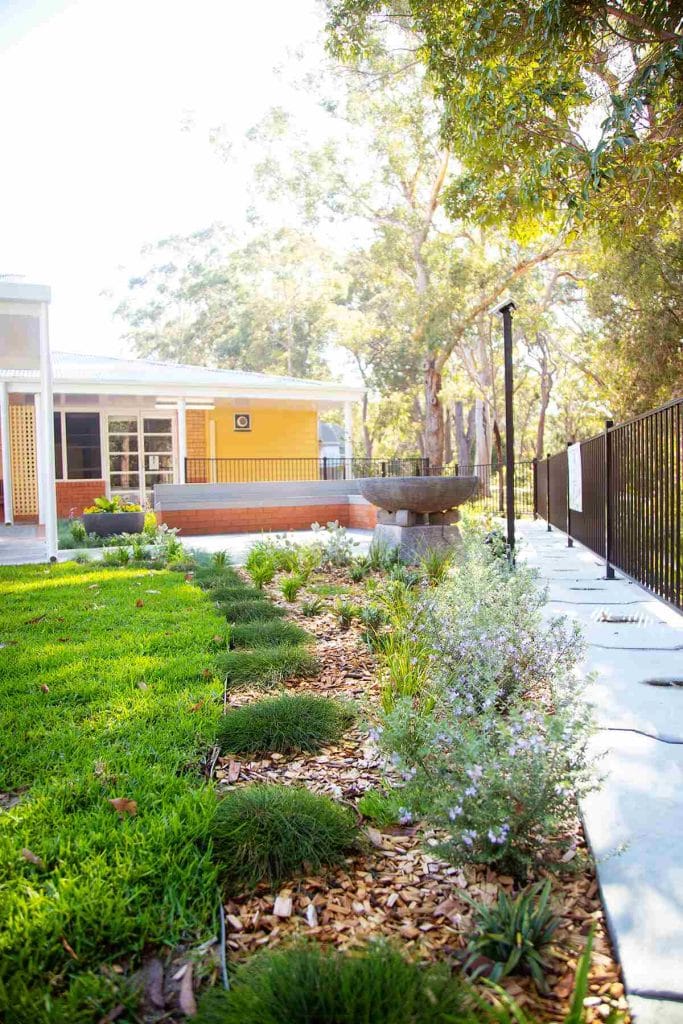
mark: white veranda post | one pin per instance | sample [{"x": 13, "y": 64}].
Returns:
[
  {"x": 348, "y": 436},
  {"x": 25, "y": 345},
  {"x": 7, "y": 499},
  {"x": 182, "y": 439}
]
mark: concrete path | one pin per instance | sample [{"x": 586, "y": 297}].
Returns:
[
  {"x": 20, "y": 545},
  {"x": 634, "y": 822}
]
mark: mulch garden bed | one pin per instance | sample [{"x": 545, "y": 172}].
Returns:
[{"x": 397, "y": 889}]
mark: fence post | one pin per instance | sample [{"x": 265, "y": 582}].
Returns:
[
  {"x": 609, "y": 569},
  {"x": 534, "y": 484},
  {"x": 324, "y": 467},
  {"x": 547, "y": 489},
  {"x": 384, "y": 468},
  {"x": 570, "y": 542}
]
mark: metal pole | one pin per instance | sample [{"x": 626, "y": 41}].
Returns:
[
  {"x": 547, "y": 488},
  {"x": 505, "y": 310},
  {"x": 609, "y": 569},
  {"x": 534, "y": 484},
  {"x": 570, "y": 542}
]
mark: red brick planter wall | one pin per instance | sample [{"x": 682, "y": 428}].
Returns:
[
  {"x": 253, "y": 520},
  {"x": 74, "y": 495},
  {"x": 363, "y": 517}
]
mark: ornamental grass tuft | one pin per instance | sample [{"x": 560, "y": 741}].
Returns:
[
  {"x": 267, "y": 666},
  {"x": 308, "y": 983},
  {"x": 273, "y": 633},
  {"x": 284, "y": 724},
  {"x": 250, "y": 610},
  {"x": 269, "y": 833}
]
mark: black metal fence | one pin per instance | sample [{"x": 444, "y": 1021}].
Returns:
[
  {"x": 632, "y": 493},
  {"x": 489, "y": 496}
]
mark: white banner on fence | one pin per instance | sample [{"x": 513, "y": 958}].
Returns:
[{"x": 574, "y": 478}]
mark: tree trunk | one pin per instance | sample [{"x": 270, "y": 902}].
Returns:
[
  {"x": 433, "y": 413},
  {"x": 462, "y": 435},
  {"x": 482, "y": 440},
  {"x": 447, "y": 439},
  {"x": 546, "y": 387},
  {"x": 367, "y": 436}
]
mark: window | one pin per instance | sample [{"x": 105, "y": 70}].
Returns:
[
  {"x": 79, "y": 432},
  {"x": 140, "y": 454},
  {"x": 59, "y": 470}
]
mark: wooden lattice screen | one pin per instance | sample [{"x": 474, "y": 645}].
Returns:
[{"x": 24, "y": 459}]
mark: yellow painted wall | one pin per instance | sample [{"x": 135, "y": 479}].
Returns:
[{"x": 275, "y": 433}]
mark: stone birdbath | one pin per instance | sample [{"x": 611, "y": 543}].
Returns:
[{"x": 417, "y": 513}]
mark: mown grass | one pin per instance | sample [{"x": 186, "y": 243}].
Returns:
[
  {"x": 106, "y": 691},
  {"x": 289, "y": 722},
  {"x": 270, "y": 833}
]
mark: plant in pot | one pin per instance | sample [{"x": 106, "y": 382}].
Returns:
[{"x": 106, "y": 517}]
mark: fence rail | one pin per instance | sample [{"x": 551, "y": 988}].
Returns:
[
  {"x": 489, "y": 496},
  {"x": 632, "y": 494}
]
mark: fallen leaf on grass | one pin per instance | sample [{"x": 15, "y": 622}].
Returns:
[
  {"x": 45, "y": 688},
  {"x": 70, "y": 950},
  {"x": 154, "y": 987},
  {"x": 122, "y": 805},
  {"x": 32, "y": 858},
  {"x": 218, "y": 639},
  {"x": 186, "y": 999},
  {"x": 197, "y": 706},
  {"x": 207, "y": 673},
  {"x": 38, "y": 618},
  {"x": 142, "y": 685},
  {"x": 139, "y": 603}
]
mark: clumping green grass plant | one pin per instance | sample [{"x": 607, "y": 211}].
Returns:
[
  {"x": 273, "y": 633},
  {"x": 236, "y": 592},
  {"x": 309, "y": 984},
  {"x": 290, "y": 587},
  {"x": 312, "y": 607},
  {"x": 261, "y": 572},
  {"x": 269, "y": 833},
  {"x": 382, "y": 555},
  {"x": 329, "y": 589},
  {"x": 384, "y": 806},
  {"x": 435, "y": 564},
  {"x": 512, "y": 934},
  {"x": 267, "y": 666},
  {"x": 346, "y": 612},
  {"x": 283, "y": 724},
  {"x": 249, "y": 610},
  {"x": 103, "y": 696}
]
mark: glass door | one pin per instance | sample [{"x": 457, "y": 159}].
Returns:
[{"x": 140, "y": 455}]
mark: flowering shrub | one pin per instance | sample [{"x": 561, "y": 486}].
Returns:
[
  {"x": 494, "y": 751},
  {"x": 115, "y": 504}
]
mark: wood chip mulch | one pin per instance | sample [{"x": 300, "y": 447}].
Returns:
[{"x": 398, "y": 888}]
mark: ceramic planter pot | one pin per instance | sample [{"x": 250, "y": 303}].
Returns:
[{"x": 106, "y": 524}]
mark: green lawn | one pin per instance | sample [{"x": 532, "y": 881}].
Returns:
[{"x": 101, "y": 698}]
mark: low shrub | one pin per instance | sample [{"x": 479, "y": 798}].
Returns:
[
  {"x": 273, "y": 633},
  {"x": 290, "y": 587},
  {"x": 220, "y": 559},
  {"x": 267, "y": 833},
  {"x": 267, "y": 666},
  {"x": 298, "y": 722},
  {"x": 337, "y": 548},
  {"x": 382, "y": 555},
  {"x": 309, "y": 984},
  {"x": 511, "y": 935},
  {"x": 249, "y": 610}
]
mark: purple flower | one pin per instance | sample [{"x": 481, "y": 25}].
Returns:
[
  {"x": 468, "y": 836},
  {"x": 454, "y": 812},
  {"x": 404, "y": 816}
]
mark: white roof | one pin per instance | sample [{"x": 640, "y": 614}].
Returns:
[{"x": 108, "y": 375}]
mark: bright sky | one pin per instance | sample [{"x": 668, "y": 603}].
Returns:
[{"x": 97, "y": 157}]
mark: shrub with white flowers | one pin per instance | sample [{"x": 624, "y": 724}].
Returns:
[{"x": 499, "y": 757}]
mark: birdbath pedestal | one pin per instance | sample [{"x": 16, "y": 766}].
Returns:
[{"x": 416, "y": 513}]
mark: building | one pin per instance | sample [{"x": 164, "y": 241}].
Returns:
[{"x": 121, "y": 426}]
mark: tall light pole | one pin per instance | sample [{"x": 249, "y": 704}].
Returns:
[{"x": 505, "y": 311}]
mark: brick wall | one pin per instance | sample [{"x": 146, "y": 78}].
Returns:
[
  {"x": 362, "y": 517},
  {"x": 195, "y": 427},
  {"x": 252, "y": 520},
  {"x": 74, "y": 495}
]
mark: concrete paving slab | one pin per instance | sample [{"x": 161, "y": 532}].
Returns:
[
  {"x": 634, "y": 823},
  {"x": 635, "y": 829}
]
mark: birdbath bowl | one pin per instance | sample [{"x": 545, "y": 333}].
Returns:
[{"x": 416, "y": 513}]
